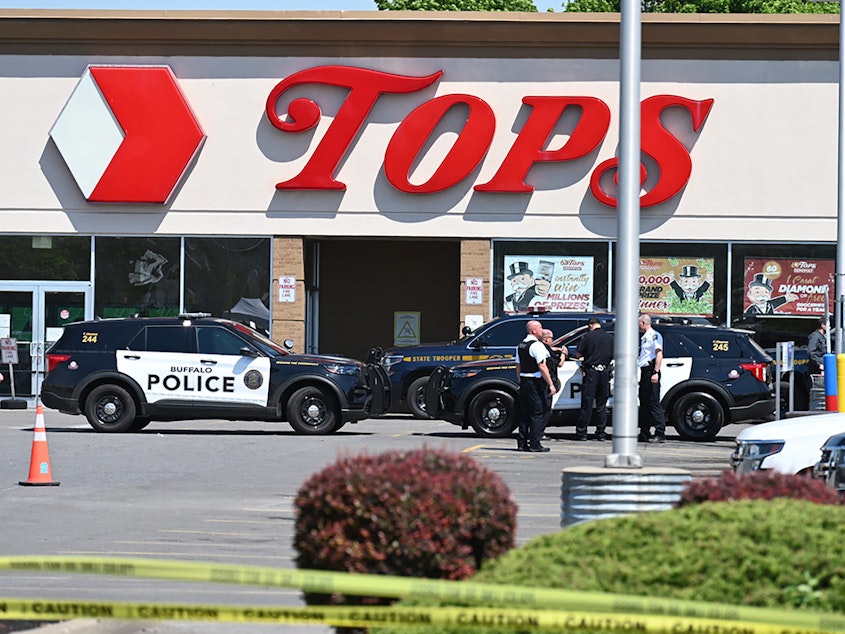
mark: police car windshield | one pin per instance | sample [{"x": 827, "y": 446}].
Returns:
[
  {"x": 266, "y": 344},
  {"x": 469, "y": 334},
  {"x": 572, "y": 337}
]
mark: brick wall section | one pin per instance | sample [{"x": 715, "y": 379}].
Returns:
[
  {"x": 289, "y": 317},
  {"x": 475, "y": 262}
]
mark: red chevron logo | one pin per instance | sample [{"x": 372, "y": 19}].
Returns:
[{"x": 127, "y": 134}]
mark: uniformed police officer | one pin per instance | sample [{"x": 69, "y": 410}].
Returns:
[
  {"x": 553, "y": 362},
  {"x": 534, "y": 383},
  {"x": 595, "y": 352},
  {"x": 649, "y": 362}
]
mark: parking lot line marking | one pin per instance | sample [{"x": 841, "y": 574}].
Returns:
[
  {"x": 145, "y": 553},
  {"x": 268, "y": 509},
  {"x": 190, "y": 544},
  {"x": 473, "y": 448},
  {"x": 274, "y": 521},
  {"x": 190, "y": 532},
  {"x": 524, "y": 504}
]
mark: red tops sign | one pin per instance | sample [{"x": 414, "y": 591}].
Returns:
[{"x": 366, "y": 86}]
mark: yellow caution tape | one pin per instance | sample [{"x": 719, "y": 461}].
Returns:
[
  {"x": 370, "y": 616},
  {"x": 532, "y": 599}
]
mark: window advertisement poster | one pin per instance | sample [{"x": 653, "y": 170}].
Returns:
[
  {"x": 676, "y": 286},
  {"x": 555, "y": 283},
  {"x": 788, "y": 287}
]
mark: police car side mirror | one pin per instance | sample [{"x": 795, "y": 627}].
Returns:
[
  {"x": 246, "y": 351},
  {"x": 478, "y": 343}
]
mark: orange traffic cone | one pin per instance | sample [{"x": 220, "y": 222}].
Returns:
[{"x": 39, "y": 463}]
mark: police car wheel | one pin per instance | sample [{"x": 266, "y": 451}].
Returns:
[
  {"x": 492, "y": 414},
  {"x": 110, "y": 408},
  {"x": 416, "y": 397},
  {"x": 312, "y": 411},
  {"x": 697, "y": 416}
]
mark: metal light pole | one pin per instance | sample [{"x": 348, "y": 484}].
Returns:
[
  {"x": 625, "y": 427},
  {"x": 840, "y": 190}
]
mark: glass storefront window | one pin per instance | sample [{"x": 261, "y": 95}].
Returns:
[
  {"x": 785, "y": 283},
  {"x": 136, "y": 276},
  {"x": 558, "y": 276},
  {"x": 229, "y": 277},
  {"x": 66, "y": 258},
  {"x": 686, "y": 279}
]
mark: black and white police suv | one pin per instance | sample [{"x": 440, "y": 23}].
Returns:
[
  {"x": 710, "y": 377},
  {"x": 410, "y": 366},
  {"x": 124, "y": 373}
]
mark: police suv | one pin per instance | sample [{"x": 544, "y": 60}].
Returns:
[
  {"x": 124, "y": 373},
  {"x": 710, "y": 377},
  {"x": 410, "y": 366}
]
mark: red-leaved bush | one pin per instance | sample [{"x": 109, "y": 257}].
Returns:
[
  {"x": 760, "y": 485},
  {"x": 420, "y": 513}
]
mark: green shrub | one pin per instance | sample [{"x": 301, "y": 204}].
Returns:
[
  {"x": 421, "y": 513},
  {"x": 769, "y": 553},
  {"x": 762, "y": 485}
]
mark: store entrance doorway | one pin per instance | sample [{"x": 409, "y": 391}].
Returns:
[
  {"x": 34, "y": 314},
  {"x": 361, "y": 285}
]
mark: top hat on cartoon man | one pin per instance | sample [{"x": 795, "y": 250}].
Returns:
[
  {"x": 690, "y": 271},
  {"x": 760, "y": 280},
  {"x": 520, "y": 268}
]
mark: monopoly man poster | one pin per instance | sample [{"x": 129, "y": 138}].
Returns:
[
  {"x": 676, "y": 286},
  {"x": 556, "y": 283},
  {"x": 787, "y": 287}
]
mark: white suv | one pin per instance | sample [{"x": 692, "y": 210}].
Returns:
[{"x": 791, "y": 445}]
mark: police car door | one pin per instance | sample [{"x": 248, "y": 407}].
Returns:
[
  {"x": 677, "y": 362},
  {"x": 154, "y": 358},
  {"x": 168, "y": 365},
  {"x": 569, "y": 373},
  {"x": 569, "y": 396},
  {"x": 244, "y": 372},
  {"x": 499, "y": 341}
]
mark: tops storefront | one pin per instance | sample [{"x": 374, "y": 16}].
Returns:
[{"x": 331, "y": 174}]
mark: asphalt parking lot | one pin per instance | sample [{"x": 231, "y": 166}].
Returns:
[{"x": 223, "y": 491}]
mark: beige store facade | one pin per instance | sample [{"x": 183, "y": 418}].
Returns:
[{"x": 320, "y": 173}]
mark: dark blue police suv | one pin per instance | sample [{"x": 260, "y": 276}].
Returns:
[
  {"x": 711, "y": 377},
  {"x": 410, "y": 366}
]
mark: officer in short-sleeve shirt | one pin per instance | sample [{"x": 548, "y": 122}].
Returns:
[{"x": 649, "y": 361}]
